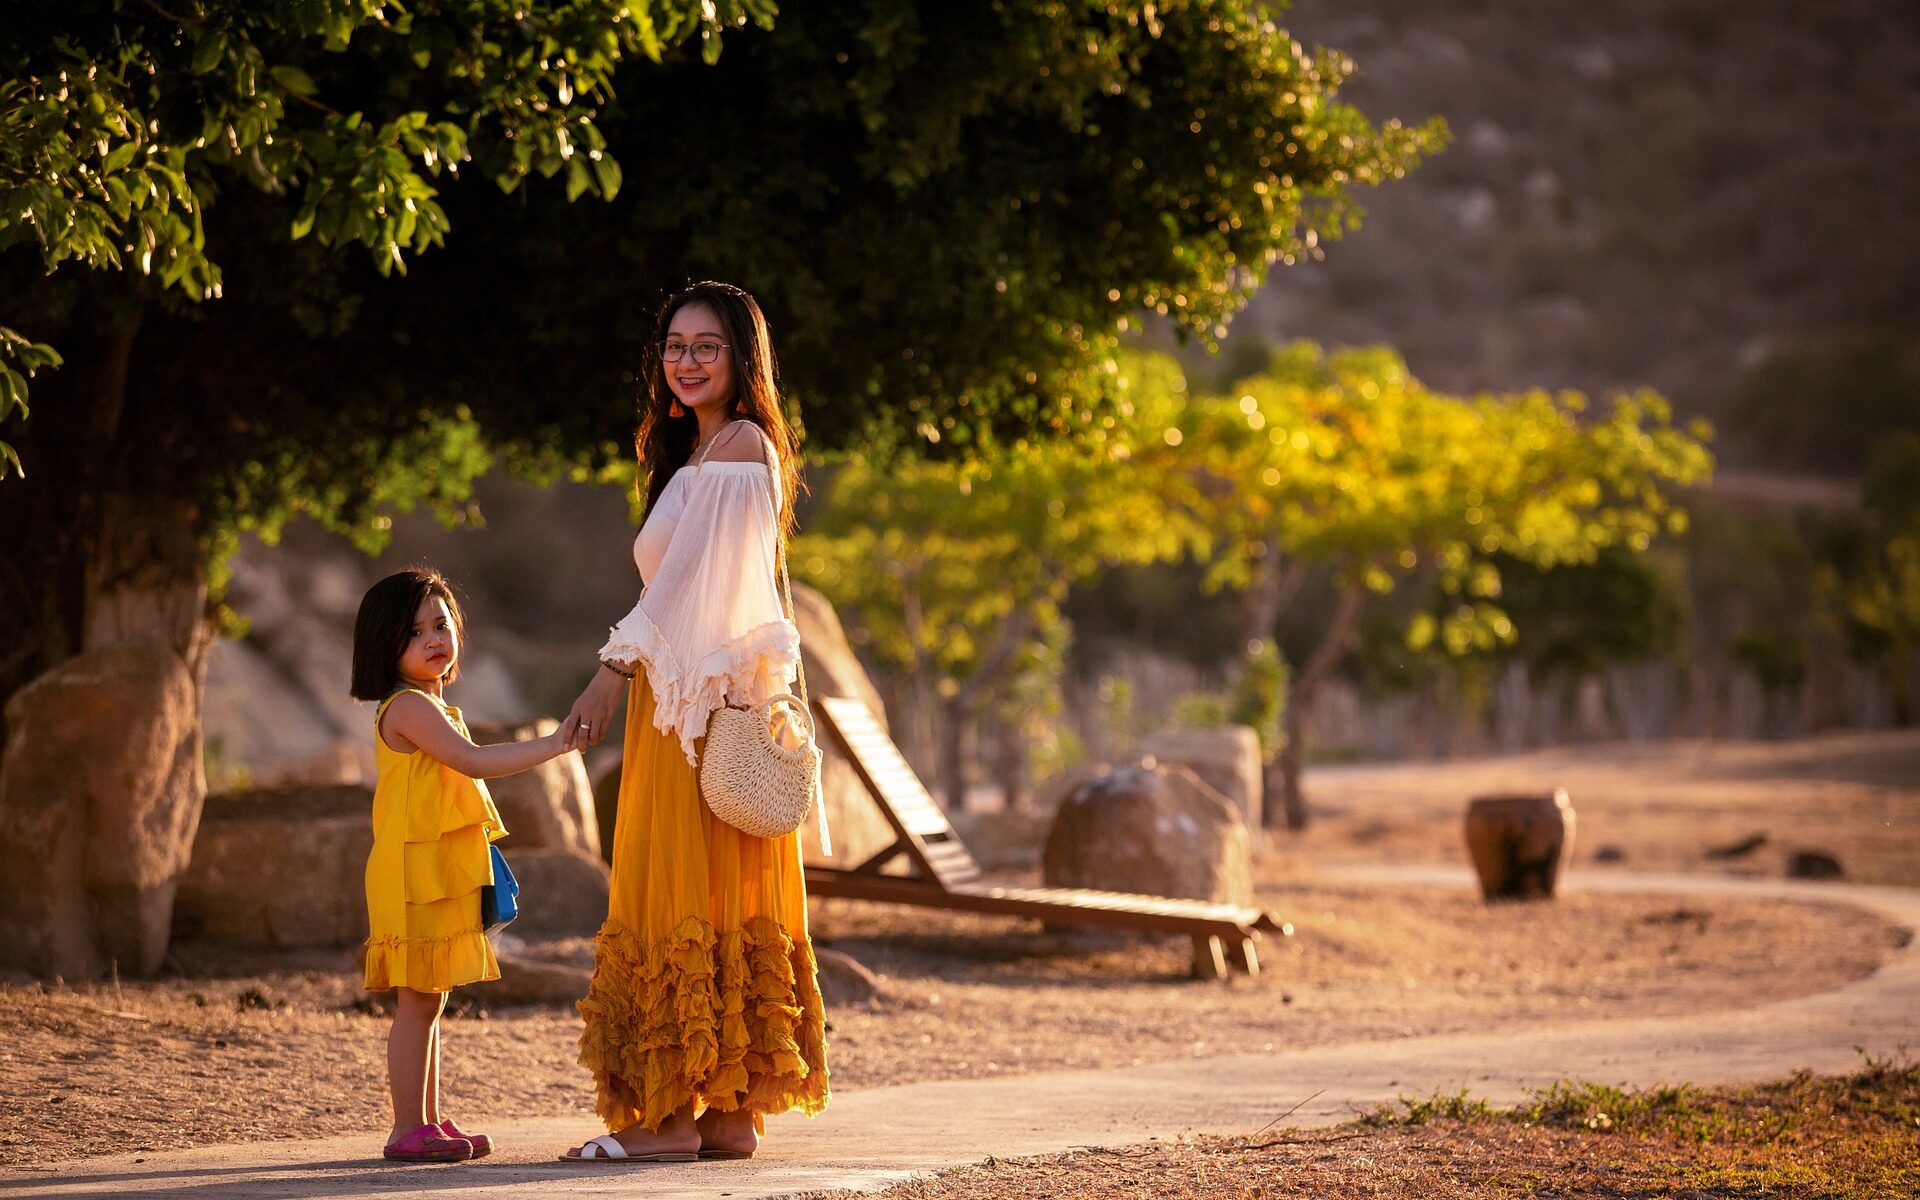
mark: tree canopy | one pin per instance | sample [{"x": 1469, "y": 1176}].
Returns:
[
  {"x": 1337, "y": 461},
  {"x": 121, "y": 121},
  {"x": 948, "y": 213}
]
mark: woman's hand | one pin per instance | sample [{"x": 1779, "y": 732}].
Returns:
[{"x": 592, "y": 714}]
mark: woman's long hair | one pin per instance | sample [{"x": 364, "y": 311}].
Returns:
[{"x": 665, "y": 442}]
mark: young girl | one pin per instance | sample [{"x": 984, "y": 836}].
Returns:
[{"x": 432, "y": 825}]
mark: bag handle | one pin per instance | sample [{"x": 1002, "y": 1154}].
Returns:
[{"x": 806, "y": 703}]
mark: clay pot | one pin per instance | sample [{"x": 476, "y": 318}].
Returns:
[{"x": 1519, "y": 843}]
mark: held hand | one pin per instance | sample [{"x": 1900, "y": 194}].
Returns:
[{"x": 592, "y": 714}]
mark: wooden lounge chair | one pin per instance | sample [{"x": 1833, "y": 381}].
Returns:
[{"x": 945, "y": 875}]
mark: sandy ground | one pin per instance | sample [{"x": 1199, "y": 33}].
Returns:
[
  {"x": 242, "y": 1049},
  {"x": 1656, "y": 806}
]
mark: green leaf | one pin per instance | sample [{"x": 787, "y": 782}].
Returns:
[
  {"x": 294, "y": 80},
  {"x": 207, "y": 53},
  {"x": 578, "y": 178},
  {"x": 119, "y": 157},
  {"x": 607, "y": 172},
  {"x": 13, "y": 392},
  {"x": 7, "y": 456}
]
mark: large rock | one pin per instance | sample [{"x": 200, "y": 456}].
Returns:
[
  {"x": 550, "y": 806},
  {"x": 563, "y": 893},
  {"x": 1003, "y": 839},
  {"x": 606, "y": 808},
  {"x": 280, "y": 867},
  {"x": 1158, "y": 830},
  {"x": 100, "y": 791},
  {"x": 1228, "y": 758},
  {"x": 285, "y": 867},
  {"x": 832, "y": 667},
  {"x": 527, "y": 980},
  {"x": 264, "y": 729},
  {"x": 858, "y": 829}
]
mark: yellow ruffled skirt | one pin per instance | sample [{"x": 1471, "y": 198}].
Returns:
[
  {"x": 704, "y": 981},
  {"x": 423, "y": 910}
]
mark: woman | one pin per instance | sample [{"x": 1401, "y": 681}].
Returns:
[{"x": 704, "y": 1013}]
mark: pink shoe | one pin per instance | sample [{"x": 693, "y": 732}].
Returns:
[
  {"x": 482, "y": 1144},
  {"x": 428, "y": 1144}
]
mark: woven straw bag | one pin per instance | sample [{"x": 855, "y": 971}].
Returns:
[{"x": 747, "y": 777}]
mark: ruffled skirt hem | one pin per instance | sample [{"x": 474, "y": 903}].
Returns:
[
  {"x": 732, "y": 1019},
  {"x": 430, "y": 964}
]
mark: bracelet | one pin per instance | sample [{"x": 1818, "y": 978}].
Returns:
[{"x": 616, "y": 670}]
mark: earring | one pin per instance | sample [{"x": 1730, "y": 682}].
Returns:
[{"x": 675, "y": 410}]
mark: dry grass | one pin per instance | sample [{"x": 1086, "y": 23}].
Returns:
[{"x": 1851, "y": 1138}]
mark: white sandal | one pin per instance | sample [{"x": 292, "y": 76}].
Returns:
[{"x": 607, "y": 1148}]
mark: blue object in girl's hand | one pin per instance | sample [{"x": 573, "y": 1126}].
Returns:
[{"x": 499, "y": 900}]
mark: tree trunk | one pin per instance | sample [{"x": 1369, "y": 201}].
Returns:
[
  {"x": 103, "y": 550},
  {"x": 1015, "y": 628},
  {"x": 1275, "y": 583},
  {"x": 1333, "y": 646},
  {"x": 62, "y": 517},
  {"x": 93, "y": 557},
  {"x": 1012, "y": 763},
  {"x": 955, "y": 715}
]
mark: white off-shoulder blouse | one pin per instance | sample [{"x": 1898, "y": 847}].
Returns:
[{"x": 709, "y": 628}]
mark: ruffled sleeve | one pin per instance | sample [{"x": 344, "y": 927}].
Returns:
[{"x": 709, "y": 629}]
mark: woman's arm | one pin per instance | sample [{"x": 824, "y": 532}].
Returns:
[
  {"x": 592, "y": 714},
  {"x": 414, "y": 720}
]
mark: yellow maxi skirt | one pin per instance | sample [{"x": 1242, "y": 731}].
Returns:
[{"x": 704, "y": 984}]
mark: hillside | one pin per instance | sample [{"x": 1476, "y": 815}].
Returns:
[{"x": 1718, "y": 200}]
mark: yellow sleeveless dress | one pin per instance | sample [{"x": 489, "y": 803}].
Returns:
[{"x": 431, "y": 830}]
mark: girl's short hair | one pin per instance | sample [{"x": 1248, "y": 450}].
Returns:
[{"x": 385, "y": 623}]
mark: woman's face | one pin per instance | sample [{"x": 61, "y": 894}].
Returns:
[
  {"x": 433, "y": 647},
  {"x": 699, "y": 385}
]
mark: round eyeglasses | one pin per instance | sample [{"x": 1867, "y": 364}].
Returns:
[{"x": 703, "y": 352}]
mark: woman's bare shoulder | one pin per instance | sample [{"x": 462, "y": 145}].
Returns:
[{"x": 743, "y": 442}]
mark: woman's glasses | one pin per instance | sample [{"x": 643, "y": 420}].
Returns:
[{"x": 703, "y": 352}]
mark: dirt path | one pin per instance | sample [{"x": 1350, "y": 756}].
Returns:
[{"x": 871, "y": 1137}]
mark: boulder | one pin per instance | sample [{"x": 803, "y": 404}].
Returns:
[
  {"x": 1228, "y": 758},
  {"x": 563, "y": 893},
  {"x": 526, "y": 980},
  {"x": 1160, "y": 831},
  {"x": 606, "y": 808},
  {"x": 1003, "y": 839},
  {"x": 832, "y": 667},
  {"x": 858, "y": 828},
  {"x": 100, "y": 793},
  {"x": 280, "y": 867},
  {"x": 264, "y": 729},
  {"x": 844, "y": 980},
  {"x": 550, "y": 806},
  {"x": 1519, "y": 844}
]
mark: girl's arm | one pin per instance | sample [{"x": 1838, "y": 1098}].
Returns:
[{"x": 412, "y": 722}]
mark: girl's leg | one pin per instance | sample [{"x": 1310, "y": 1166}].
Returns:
[
  {"x": 409, "y": 1046},
  {"x": 431, "y": 1106}
]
